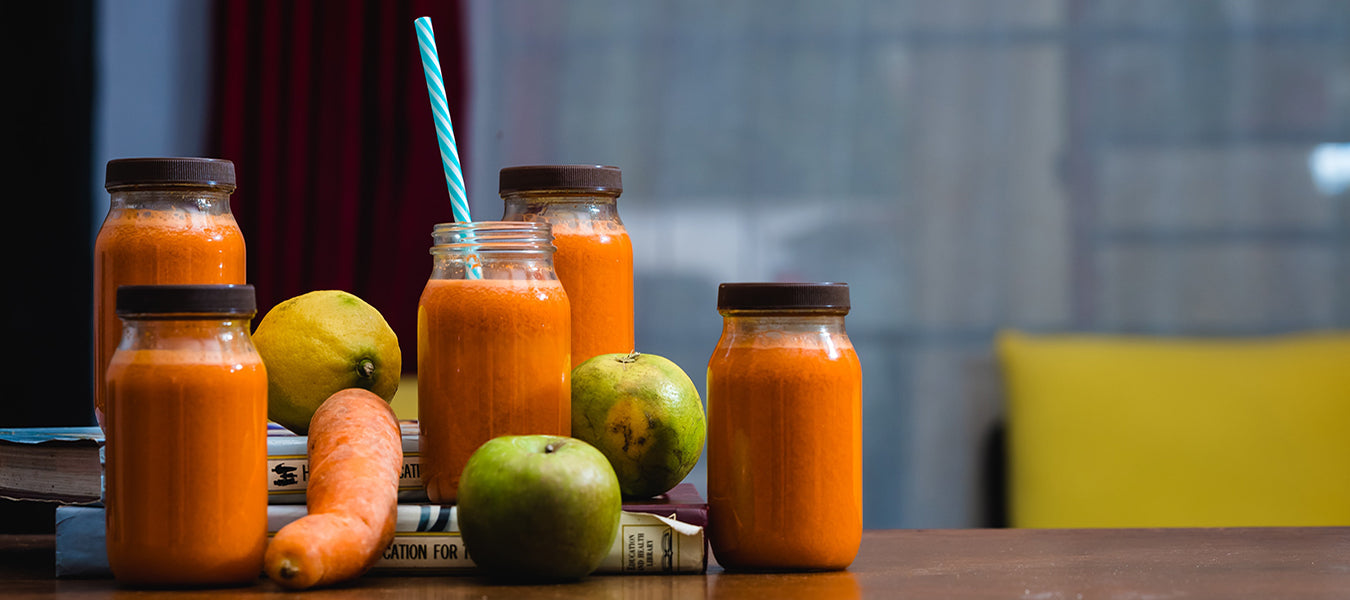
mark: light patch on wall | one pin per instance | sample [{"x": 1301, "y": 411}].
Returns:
[{"x": 1329, "y": 165}]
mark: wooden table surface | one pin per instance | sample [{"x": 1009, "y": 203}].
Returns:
[{"x": 1029, "y": 564}]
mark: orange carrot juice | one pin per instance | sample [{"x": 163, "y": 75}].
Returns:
[
  {"x": 157, "y": 246},
  {"x": 595, "y": 265},
  {"x": 186, "y": 480},
  {"x": 784, "y": 436},
  {"x": 594, "y": 260},
  {"x": 492, "y": 359}
]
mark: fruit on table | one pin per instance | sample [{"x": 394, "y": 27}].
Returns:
[
  {"x": 318, "y": 343},
  {"x": 355, "y": 458},
  {"x": 538, "y": 507},
  {"x": 643, "y": 412}
]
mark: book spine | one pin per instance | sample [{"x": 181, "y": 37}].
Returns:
[
  {"x": 647, "y": 541},
  {"x": 288, "y": 471},
  {"x": 427, "y": 541},
  {"x": 651, "y": 543}
]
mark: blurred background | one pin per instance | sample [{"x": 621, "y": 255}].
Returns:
[{"x": 966, "y": 166}]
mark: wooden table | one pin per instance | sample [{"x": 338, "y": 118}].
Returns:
[{"x": 1028, "y": 564}]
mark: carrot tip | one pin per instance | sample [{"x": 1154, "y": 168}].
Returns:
[{"x": 288, "y": 570}]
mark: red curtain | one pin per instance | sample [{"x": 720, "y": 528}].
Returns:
[{"x": 322, "y": 106}]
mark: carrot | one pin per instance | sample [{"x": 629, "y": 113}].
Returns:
[{"x": 355, "y": 458}]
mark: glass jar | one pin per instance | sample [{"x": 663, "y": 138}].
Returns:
[
  {"x": 492, "y": 345},
  {"x": 168, "y": 222},
  {"x": 186, "y": 463},
  {"x": 595, "y": 255},
  {"x": 784, "y": 429}
]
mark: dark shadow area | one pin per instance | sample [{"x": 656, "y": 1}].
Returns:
[
  {"x": 48, "y": 244},
  {"x": 994, "y": 476},
  {"x": 48, "y": 223}
]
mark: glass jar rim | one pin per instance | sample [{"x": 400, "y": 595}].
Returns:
[
  {"x": 564, "y": 196},
  {"x": 162, "y": 186},
  {"x": 754, "y": 313},
  {"x": 492, "y": 236}
]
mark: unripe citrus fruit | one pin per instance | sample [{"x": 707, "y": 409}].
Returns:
[
  {"x": 643, "y": 412},
  {"x": 319, "y": 343}
]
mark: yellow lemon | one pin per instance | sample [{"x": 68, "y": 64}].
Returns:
[{"x": 321, "y": 342}]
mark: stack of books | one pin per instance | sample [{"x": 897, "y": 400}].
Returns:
[{"x": 64, "y": 465}]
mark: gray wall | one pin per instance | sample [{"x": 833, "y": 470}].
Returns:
[
  {"x": 965, "y": 165},
  {"x": 154, "y": 69}
]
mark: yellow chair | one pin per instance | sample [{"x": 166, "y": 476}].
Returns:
[{"x": 1135, "y": 431}]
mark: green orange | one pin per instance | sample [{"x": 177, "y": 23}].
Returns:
[{"x": 644, "y": 414}]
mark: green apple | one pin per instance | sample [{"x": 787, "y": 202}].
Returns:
[
  {"x": 538, "y": 507},
  {"x": 643, "y": 412}
]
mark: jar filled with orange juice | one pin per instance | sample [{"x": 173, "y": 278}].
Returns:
[
  {"x": 784, "y": 429},
  {"x": 493, "y": 332},
  {"x": 168, "y": 222},
  {"x": 595, "y": 256},
  {"x": 186, "y": 462}
]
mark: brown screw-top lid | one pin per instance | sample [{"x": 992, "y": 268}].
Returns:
[
  {"x": 597, "y": 178},
  {"x": 204, "y": 299},
  {"x": 210, "y": 172},
  {"x": 775, "y": 296}
]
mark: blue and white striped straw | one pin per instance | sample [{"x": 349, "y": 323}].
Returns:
[
  {"x": 445, "y": 132},
  {"x": 440, "y": 113}
]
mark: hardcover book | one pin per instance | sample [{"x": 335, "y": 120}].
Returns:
[
  {"x": 57, "y": 464},
  {"x": 660, "y": 535},
  {"x": 65, "y": 465}
]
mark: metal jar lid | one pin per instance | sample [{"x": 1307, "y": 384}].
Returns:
[
  {"x": 205, "y": 299},
  {"x": 783, "y": 296},
  {"x": 174, "y": 171},
  {"x": 582, "y": 178}
]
